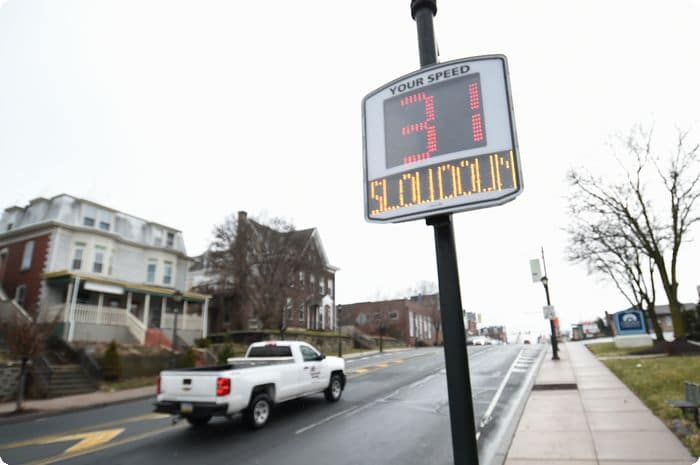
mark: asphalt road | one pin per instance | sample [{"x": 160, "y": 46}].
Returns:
[{"x": 394, "y": 411}]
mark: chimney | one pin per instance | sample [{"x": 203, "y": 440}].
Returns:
[{"x": 242, "y": 216}]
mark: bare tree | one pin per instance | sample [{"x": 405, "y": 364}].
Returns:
[
  {"x": 655, "y": 228},
  {"x": 606, "y": 251},
  {"x": 259, "y": 264},
  {"x": 26, "y": 340}
]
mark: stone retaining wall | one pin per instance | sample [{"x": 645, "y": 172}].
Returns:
[{"x": 9, "y": 380}]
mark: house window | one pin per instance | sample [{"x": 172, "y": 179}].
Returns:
[
  {"x": 301, "y": 279},
  {"x": 9, "y": 226},
  {"x": 20, "y": 294},
  {"x": 157, "y": 237},
  {"x": 151, "y": 271},
  {"x": 322, "y": 286},
  {"x": 105, "y": 220},
  {"x": 330, "y": 287},
  {"x": 312, "y": 282},
  {"x": 393, "y": 315},
  {"x": 170, "y": 239},
  {"x": 302, "y": 312},
  {"x": 78, "y": 254},
  {"x": 89, "y": 215},
  {"x": 98, "y": 262},
  {"x": 27, "y": 256},
  {"x": 290, "y": 309},
  {"x": 167, "y": 272}
]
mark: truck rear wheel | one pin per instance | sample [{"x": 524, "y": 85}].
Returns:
[
  {"x": 258, "y": 411},
  {"x": 198, "y": 421},
  {"x": 334, "y": 389}
]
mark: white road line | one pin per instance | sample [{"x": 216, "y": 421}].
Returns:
[
  {"x": 325, "y": 420},
  {"x": 487, "y": 415},
  {"x": 353, "y": 410}
]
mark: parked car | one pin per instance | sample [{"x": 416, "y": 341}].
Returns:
[
  {"x": 479, "y": 340},
  {"x": 269, "y": 374}
]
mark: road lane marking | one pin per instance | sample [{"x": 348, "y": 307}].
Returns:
[
  {"x": 121, "y": 442},
  {"x": 325, "y": 420},
  {"x": 28, "y": 442},
  {"x": 486, "y": 417},
  {"x": 85, "y": 440},
  {"x": 354, "y": 410},
  {"x": 381, "y": 365}
]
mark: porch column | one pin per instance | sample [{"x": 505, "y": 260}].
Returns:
[
  {"x": 205, "y": 318},
  {"x": 100, "y": 301},
  {"x": 183, "y": 325},
  {"x": 66, "y": 309},
  {"x": 128, "y": 302},
  {"x": 162, "y": 311},
  {"x": 71, "y": 313},
  {"x": 147, "y": 310}
]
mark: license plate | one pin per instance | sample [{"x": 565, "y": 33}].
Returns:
[{"x": 186, "y": 407}]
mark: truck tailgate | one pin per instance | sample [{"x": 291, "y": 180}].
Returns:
[{"x": 188, "y": 386}]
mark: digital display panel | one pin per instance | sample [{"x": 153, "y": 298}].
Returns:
[
  {"x": 411, "y": 126},
  {"x": 440, "y": 140}
]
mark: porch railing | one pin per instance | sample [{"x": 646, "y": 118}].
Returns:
[
  {"x": 136, "y": 328},
  {"x": 104, "y": 316}
]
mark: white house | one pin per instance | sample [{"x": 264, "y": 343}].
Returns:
[{"x": 101, "y": 273}]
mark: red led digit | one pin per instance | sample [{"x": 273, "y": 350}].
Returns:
[
  {"x": 475, "y": 104},
  {"x": 427, "y": 126}
]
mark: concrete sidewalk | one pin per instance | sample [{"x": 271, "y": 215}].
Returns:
[
  {"x": 591, "y": 418},
  {"x": 37, "y": 408}
]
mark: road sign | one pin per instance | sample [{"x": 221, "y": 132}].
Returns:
[
  {"x": 535, "y": 271},
  {"x": 440, "y": 140},
  {"x": 549, "y": 313}
]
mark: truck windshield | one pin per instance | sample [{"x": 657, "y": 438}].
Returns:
[{"x": 270, "y": 351}]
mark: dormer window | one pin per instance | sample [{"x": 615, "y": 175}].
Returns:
[
  {"x": 89, "y": 215},
  {"x": 170, "y": 239},
  {"x": 105, "y": 220},
  {"x": 157, "y": 237},
  {"x": 9, "y": 226}
]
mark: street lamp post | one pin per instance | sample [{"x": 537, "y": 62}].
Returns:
[
  {"x": 555, "y": 343},
  {"x": 177, "y": 298},
  {"x": 338, "y": 308},
  {"x": 382, "y": 328}
]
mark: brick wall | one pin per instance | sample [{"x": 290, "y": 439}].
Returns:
[
  {"x": 32, "y": 278},
  {"x": 365, "y": 316}
]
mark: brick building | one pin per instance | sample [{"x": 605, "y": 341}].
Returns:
[
  {"x": 308, "y": 290},
  {"x": 410, "y": 320}
]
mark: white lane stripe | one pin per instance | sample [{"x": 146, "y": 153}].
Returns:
[
  {"x": 325, "y": 420},
  {"x": 487, "y": 415},
  {"x": 353, "y": 410}
]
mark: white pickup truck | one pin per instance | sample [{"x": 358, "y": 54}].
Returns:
[{"x": 271, "y": 372}]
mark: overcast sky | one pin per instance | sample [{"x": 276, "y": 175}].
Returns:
[{"x": 184, "y": 112}]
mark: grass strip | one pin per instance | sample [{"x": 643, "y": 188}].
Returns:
[{"x": 656, "y": 380}]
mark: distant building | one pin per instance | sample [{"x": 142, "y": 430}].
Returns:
[
  {"x": 410, "y": 320},
  {"x": 470, "y": 323},
  {"x": 102, "y": 274},
  {"x": 495, "y": 332}
]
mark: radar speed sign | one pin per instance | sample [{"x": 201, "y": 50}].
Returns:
[{"x": 440, "y": 140}]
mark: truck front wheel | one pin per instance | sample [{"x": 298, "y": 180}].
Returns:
[
  {"x": 259, "y": 410},
  {"x": 334, "y": 389}
]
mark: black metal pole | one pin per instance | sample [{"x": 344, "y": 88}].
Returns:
[
  {"x": 423, "y": 12},
  {"x": 555, "y": 343},
  {"x": 464, "y": 444}
]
